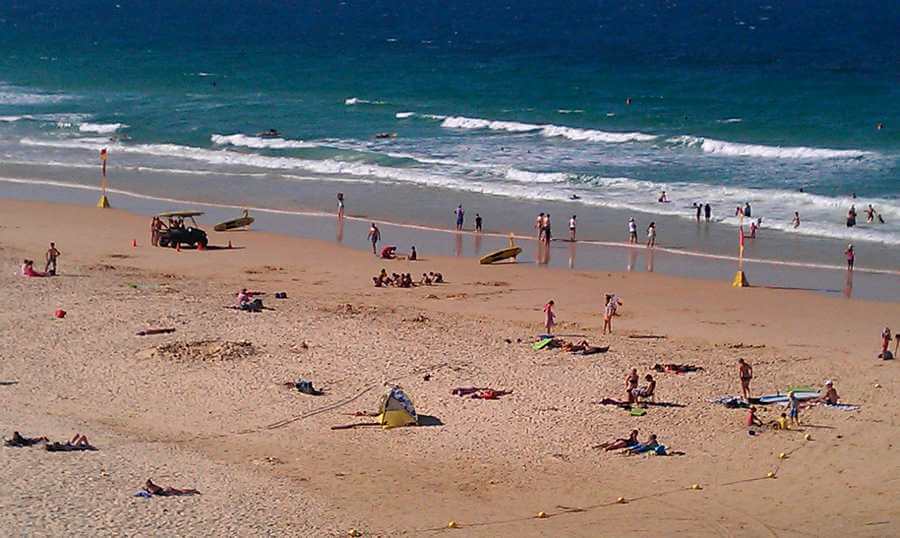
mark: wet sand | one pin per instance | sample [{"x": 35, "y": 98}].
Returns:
[{"x": 204, "y": 407}]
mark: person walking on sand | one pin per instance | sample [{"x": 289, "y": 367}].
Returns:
[
  {"x": 707, "y": 211},
  {"x": 632, "y": 231},
  {"x": 572, "y": 225},
  {"x": 549, "y": 317},
  {"x": 651, "y": 235},
  {"x": 460, "y": 217},
  {"x": 745, "y": 372},
  {"x": 374, "y": 237},
  {"x": 609, "y": 311},
  {"x": 851, "y": 257},
  {"x": 796, "y": 222},
  {"x": 340, "y": 205},
  {"x": 477, "y": 223},
  {"x": 52, "y": 255}
]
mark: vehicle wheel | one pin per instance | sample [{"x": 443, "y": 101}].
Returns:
[
  {"x": 204, "y": 242},
  {"x": 163, "y": 243}
]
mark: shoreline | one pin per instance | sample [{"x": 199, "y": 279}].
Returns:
[{"x": 594, "y": 255}]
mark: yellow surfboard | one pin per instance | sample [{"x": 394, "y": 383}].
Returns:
[{"x": 499, "y": 255}]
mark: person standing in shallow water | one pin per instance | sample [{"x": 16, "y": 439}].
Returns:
[
  {"x": 460, "y": 217},
  {"x": 707, "y": 211},
  {"x": 651, "y": 235},
  {"x": 374, "y": 237},
  {"x": 477, "y": 222},
  {"x": 851, "y": 257}
]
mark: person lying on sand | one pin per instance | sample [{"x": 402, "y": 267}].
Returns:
[
  {"x": 620, "y": 443},
  {"x": 575, "y": 348},
  {"x": 673, "y": 368},
  {"x": 153, "y": 489},
  {"x": 78, "y": 443},
  {"x": 651, "y": 445},
  {"x": 18, "y": 440}
]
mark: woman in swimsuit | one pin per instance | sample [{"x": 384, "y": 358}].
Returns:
[{"x": 620, "y": 443}]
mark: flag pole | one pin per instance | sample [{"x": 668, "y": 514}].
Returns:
[
  {"x": 740, "y": 279},
  {"x": 103, "y": 202}
]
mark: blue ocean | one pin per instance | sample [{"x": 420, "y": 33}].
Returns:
[{"x": 792, "y": 106}]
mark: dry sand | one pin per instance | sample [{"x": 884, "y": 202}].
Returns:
[{"x": 205, "y": 406}]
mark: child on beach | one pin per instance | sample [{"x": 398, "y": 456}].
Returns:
[
  {"x": 651, "y": 235},
  {"x": 52, "y": 255},
  {"x": 549, "y": 317},
  {"x": 794, "y": 408},
  {"x": 539, "y": 225},
  {"x": 612, "y": 304},
  {"x": 340, "y": 205},
  {"x": 477, "y": 222},
  {"x": 752, "y": 419},
  {"x": 851, "y": 257},
  {"x": 572, "y": 224},
  {"x": 885, "y": 342},
  {"x": 781, "y": 423}
]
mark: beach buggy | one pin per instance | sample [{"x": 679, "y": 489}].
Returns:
[{"x": 173, "y": 232}]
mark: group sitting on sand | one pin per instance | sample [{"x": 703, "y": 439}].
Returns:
[{"x": 405, "y": 280}]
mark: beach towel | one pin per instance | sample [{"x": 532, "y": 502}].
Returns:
[
  {"x": 638, "y": 411},
  {"x": 843, "y": 407},
  {"x": 541, "y": 344}
]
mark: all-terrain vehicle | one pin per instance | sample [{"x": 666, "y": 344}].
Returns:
[{"x": 176, "y": 233}]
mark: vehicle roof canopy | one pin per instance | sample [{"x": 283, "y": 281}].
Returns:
[{"x": 185, "y": 214}]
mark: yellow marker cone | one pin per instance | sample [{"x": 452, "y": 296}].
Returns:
[
  {"x": 770, "y": 475},
  {"x": 621, "y": 500},
  {"x": 452, "y": 525},
  {"x": 695, "y": 486},
  {"x": 354, "y": 532},
  {"x": 782, "y": 456},
  {"x": 103, "y": 202},
  {"x": 541, "y": 515},
  {"x": 740, "y": 280},
  {"x": 808, "y": 437}
]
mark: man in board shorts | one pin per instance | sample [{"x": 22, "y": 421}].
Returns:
[{"x": 632, "y": 230}]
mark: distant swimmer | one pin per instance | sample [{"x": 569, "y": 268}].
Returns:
[
  {"x": 382, "y": 136},
  {"x": 747, "y": 212},
  {"x": 628, "y": 100},
  {"x": 632, "y": 230},
  {"x": 707, "y": 211},
  {"x": 796, "y": 222},
  {"x": 879, "y": 126},
  {"x": 651, "y": 235},
  {"x": 870, "y": 214},
  {"x": 663, "y": 198},
  {"x": 269, "y": 133},
  {"x": 574, "y": 197}
]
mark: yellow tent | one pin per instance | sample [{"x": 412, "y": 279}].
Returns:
[{"x": 396, "y": 409}]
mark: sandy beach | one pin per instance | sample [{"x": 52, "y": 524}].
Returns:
[{"x": 205, "y": 407}]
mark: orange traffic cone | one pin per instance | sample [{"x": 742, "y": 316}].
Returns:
[
  {"x": 133, "y": 243},
  {"x": 177, "y": 247},
  {"x": 201, "y": 246},
  {"x": 229, "y": 243}
]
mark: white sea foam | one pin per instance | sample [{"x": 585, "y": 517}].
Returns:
[
  {"x": 404, "y": 115},
  {"x": 549, "y": 130},
  {"x": 570, "y": 111},
  {"x": 259, "y": 142},
  {"x": 731, "y": 120},
  {"x": 350, "y": 101},
  {"x": 524, "y": 176},
  {"x": 736, "y": 149},
  {"x": 101, "y": 128}
]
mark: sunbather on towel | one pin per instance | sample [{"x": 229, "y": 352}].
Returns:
[
  {"x": 18, "y": 441},
  {"x": 640, "y": 448},
  {"x": 78, "y": 443},
  {"x": 153, "y": 489},
  {"x": 575, "y": 348},
  {"x": 490, "y": 394},
  {"x": 673, "y": 368},
  {"x": 620, "y": 443}
]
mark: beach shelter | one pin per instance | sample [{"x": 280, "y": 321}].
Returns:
[{"x": 396, "y": 409}]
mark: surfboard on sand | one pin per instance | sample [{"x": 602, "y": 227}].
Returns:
[
  {"x": 233, "y": 224},
  {"x": 499, "y": 255},
  {"x": 541, "y": 344}
]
